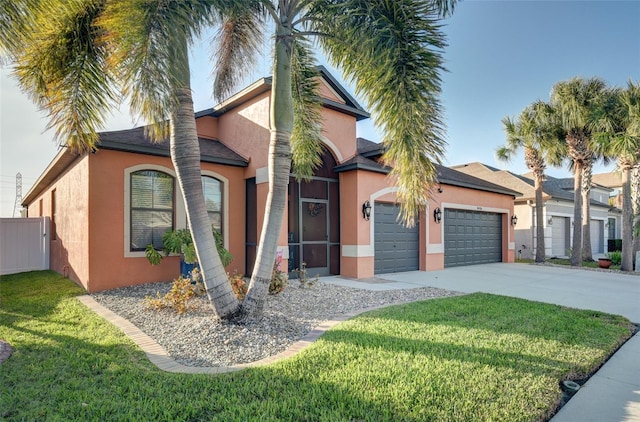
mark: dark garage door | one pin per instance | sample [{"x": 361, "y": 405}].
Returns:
[
  {"x": 471, "y": 237},
  {"x": 396, "y": 246}
]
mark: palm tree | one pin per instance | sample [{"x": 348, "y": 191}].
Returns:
[
  {"x": 576, "y": 103},
  {"x": 533, "y": 132},
  {"x": 623, "y": 142},
  {"x": 635, "y": 198},
  {"x": 73, "y": 57}
]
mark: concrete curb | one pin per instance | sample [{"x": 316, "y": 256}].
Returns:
[{"x": 160, "y": 358}]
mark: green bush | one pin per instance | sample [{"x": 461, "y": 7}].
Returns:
[{"x": 615, "y": 257}]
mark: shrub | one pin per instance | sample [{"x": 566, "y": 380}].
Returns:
[
  {"x": 303, "y": 277},
  {"x": 615, "y": 257},
  {"x": 278, "y": 281},
  {"x": 179, "y": 297},
  {"x": 238, "y": 285}
]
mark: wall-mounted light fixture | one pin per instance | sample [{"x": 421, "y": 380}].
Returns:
[
  {"x": 550, "y": 221},
  {"x": 514, "y": 220},
  {"x": 437, "y": 215},
  {"x": 366, "y": 210},
  {"x": 440, "y": 189},
  {"x": 606, "y": 225}
]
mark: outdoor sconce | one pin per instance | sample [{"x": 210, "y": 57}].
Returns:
[
  {"x": 606, "y": 225},
  {"x": 437, "y": 215},
  {"x": 366, "y": 210},
  {"x": 514, "y": 220},
  {"x": 550, "y": 221}
]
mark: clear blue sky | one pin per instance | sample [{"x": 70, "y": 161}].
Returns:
[{"x": 502, "y": 56}]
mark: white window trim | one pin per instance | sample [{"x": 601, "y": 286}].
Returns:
[
  {"x": 180, "y": 212},
  {"x": 225, "y": 203}
]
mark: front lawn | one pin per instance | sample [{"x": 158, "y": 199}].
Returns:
[{"x": 475, "y": 357}]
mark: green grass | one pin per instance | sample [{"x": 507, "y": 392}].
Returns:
[
  {"x": 474, "y": 357},
  {"x": 588, "y": 264}
]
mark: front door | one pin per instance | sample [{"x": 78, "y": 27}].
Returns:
[
  {"x": 315, "y": 235},
  {"x": 314, "y": 222}
]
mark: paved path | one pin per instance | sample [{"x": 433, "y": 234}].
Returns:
[{"x": 613, "y": 393}]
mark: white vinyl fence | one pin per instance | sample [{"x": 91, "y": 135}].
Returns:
[{"x": 24, "y": 244}]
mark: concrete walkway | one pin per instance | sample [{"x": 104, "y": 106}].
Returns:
[{"x": 613, "y": 393}]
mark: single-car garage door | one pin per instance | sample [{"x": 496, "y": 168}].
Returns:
[
  {"x": 396, "y": 246},
  {"x": 559, "y": 236},
  {"x": 471, "y": 237}
]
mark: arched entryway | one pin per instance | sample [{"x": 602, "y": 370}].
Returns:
[{"x": 314, "y": 221}]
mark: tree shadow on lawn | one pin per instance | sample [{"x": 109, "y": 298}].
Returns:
[
  {"x": 504, "y": 315},
  {"x": 69, "y": 378}
]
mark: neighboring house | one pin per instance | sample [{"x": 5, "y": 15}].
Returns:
[
  {"x": 558, "y": 211},
  {"x": 105, "y": 207},
  {"x": 613, "y": 181}
]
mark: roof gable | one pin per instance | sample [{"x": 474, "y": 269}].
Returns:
[{"x": 336, "y": 98}]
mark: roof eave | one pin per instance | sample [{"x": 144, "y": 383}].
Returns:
[
  {"x": 361, "y": 166},
  {"x": 450, "y": 182},
  {"x": 56, "y": 167},
  {"x": 147, "y": 150}
]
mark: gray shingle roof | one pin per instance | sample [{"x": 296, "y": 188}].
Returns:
[
  {"x": 446, "y": 175},
  {"x": 134, "y": 140},
  {"x": 453, "y": 177}
]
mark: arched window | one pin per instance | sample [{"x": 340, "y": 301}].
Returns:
[
  {"x": 212, "y": 189},
  {"x": 152, "y": 208}
]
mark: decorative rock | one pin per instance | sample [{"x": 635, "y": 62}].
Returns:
[{"x": 199, "y": 338}]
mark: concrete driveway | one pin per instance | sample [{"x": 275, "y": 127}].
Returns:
[
  {"x": 613, "y": 393},
  {"x": 585, "y": 289}
]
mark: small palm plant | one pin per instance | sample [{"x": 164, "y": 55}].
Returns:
[{"x": 180, "y": 242}]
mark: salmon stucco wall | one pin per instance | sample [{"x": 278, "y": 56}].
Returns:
[
  {"x": 69, "y": 237},
  {"x": 357, "y": 246},
  {"x": 112, "y": 265},
  {"x": 245, "y": 129}
]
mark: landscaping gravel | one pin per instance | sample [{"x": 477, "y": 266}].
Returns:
[{"x": 200, "y": 338}]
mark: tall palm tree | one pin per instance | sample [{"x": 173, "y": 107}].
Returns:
[
  {"x": 576, "y": 103},
  {"x": 623, "y": 142},
  {"x": 635, "y": 199},
  {"x": 533, "y": 132},
  {"x": 74, "y": 56}
]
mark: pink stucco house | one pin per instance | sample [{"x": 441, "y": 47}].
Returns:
[{"x": 105, "y": 207}]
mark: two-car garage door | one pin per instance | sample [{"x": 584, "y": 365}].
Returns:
[{"x": 471, "y": 237}]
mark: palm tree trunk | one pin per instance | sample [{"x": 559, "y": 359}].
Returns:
[
  {"x": 540, "y": 247},
  {"x": 185, "y": 155},
  {"x": 635, "y": 200},
  {"x": 576, "y": 251},
  {"x": 587, "y": 175},
  {"x": 279, "y": 169},
  {"x": 627, "y": 220}
]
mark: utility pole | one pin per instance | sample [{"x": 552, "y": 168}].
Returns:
[{"x": 17, "y": 206}]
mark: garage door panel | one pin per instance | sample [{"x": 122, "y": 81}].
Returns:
[
  {"x": 472, "y": 237},
  {"x": 396, "y": 246}
]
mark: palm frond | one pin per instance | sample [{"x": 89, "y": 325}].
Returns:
[
  {"x": 392, "y": 51},
  {"x": 145, "y": 37},
  {"x": 237, "y": 47},
  {"x": 17, "y": 18},
  {"x": 65, "y": 71},
  {"x": 306, "y": 142}
]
